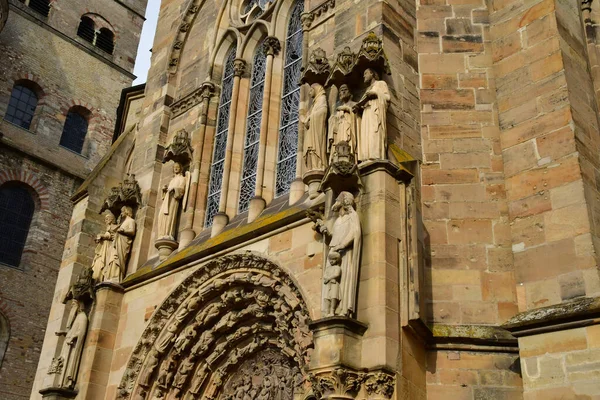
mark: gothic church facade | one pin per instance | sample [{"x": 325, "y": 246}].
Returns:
[{"x": 339, "y": 199}]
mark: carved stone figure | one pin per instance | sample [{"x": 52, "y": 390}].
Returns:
[
  {"x": 166, "y": 373},
  {"x": 174, "y": 195},
  {"x": 72, "y": 347},
  {"x": 151, "y": 365},
  {"x": 315, "y": 138},
  {"x": 373, "y": 107},
  {"x": 122, "y": 244},
  {"x": 184, "y": 370},
  {"x": 102, "y": 254},
  {"x": 331, "y": 278},
  {"x": 342, "y": 124},
  {"x": 345, "y": 239}
]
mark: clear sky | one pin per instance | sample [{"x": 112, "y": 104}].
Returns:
[{"x": 142, "y": 63}]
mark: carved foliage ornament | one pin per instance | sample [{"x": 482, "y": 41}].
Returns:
[
  {"x": 228, "y": 311},
  {"x": 318, "y": 68},
  {"x": 271, "y": 46}
]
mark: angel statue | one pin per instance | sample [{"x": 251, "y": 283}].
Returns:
[{"x": 174, "y": 195}]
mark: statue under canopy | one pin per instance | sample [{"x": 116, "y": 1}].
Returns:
[
  {"x": 373, "y": 107},
  {"x": 315, "y": 137},
  {"x": 102, "y": 254},
  {"x": 174, "y": 195},
  {"x": 72, "y": 348},
  {"x": 342, "y": 124},
  {"x": 122, "y": 245}
]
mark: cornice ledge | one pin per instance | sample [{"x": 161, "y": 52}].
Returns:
[{"x": 577, "y": 313}]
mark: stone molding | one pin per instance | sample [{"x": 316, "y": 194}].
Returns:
[
  {"x": 309, "y": 18},
  {"x": 181, "y": 106},
  {"x": 182, "y": 34},
  {"x": 577, "y": 313}
]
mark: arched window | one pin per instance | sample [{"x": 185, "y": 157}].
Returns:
[
  {"x": 16, "y": 212},
  {"x": 290, "y": 100},
  {"x": 41, "y": 7},
  {"x": 21, "y": 106},
  {"x": 75, "y": 129},
  {"x": 86, "y": 29},
  {"x": 257, "y": 86},
  {"x": 218, "y": 159},
  {"x": 105, "y": 40},
  {"x": 4, "y": 336}
]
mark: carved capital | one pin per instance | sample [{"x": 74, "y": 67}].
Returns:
[
  {"x": 307, "y": 20},
  {"x": 271, "y": 46},
  {"x": 336, "y": 382},
  {"x": 380, "y": 385},
  {"x": 239, "y": 67},
  {"x": 207, "y": 90}
]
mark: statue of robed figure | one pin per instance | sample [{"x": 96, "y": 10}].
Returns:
[
  {"x": 73, "y": 344},
  {"x": 121, "y": 245},
  {"x": 345, "y": 239},
  {"x": 102, "y": 254},
  {"x": 342, "y": 123},
  {"x": 315, "y": 138},
  {"x": 174, "y": 195},
  {"x": 373, "y": 107}
]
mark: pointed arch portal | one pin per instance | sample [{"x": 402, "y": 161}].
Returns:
[{"x": 237, "y": 325}]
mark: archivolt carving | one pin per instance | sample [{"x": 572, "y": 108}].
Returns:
[
  {"x": 182, "y": 33},
  {"x": 230, "y": 311}
]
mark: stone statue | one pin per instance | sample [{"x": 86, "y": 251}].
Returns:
[
  {"x": 331, "y": 279},
  {"x": 151, "y": 365},
  {"x": 344, "y": 238},
  {"x": 342, "y": 124},
  {"x": 122, "y": 245},
  {"x": 102, "y": 253},
  {"x": 72, "y": 347},
  {"x": 315, "y": 137},
  {"x": 373, "y": 106},
  {"x": 174, "y": 195}
]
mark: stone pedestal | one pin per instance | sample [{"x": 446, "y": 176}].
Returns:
[
  {"x": 296, "y": 191},
  {"x": 185, "y": 237},
  {"x": 313, "y": 180},
  {"x": 337, "y": 342},
  {"x": 257, "y": 205},
  {"x": 165, "y": 247},
  {"x": 54, "y": 393},
  {"x": 219, "y": 223}
]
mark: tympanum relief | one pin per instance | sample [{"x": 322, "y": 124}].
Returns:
[{"x": 236, "y": 316}]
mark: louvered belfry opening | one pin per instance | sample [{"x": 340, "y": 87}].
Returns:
[
  {"x": 86, "y": 29},
  {"x": 40, "y": 6},
  {"x": 105, "y": 40}
]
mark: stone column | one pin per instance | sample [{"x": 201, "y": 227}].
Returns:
[
  {"x": 221, "y": 218},
  {"x": 550, "y": 144},
  {"x": 188, "y": 233},
  {"x": 272, "y": 47},
  {"x": 297, "y": 188}
]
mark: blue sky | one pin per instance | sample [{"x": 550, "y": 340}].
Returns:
[{"x": 142, "y": 62}]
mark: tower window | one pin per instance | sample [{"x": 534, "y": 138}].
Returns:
[
  {"x": 75, "y": 129},
  {"x": 105, "y": 40},
  {"x": 41, "y": 7},
  {"x": 16, "y": 213},
  {"x": 86, "y": 29},
  {"x": 21, "y": 106}
]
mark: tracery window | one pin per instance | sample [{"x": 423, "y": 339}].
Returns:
[
  {"x": 257, "y": 85},
  {"x": 220, "y": 145},
  {"x": 16, "y": 213},
  {"x": 75, "y": 129},
  {"x": 21, "y": 106},
  {"x": 290, "y": 101}
]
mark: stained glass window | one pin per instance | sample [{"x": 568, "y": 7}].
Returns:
[
  {"x": 75, "y": 130},
  {"x": 21, "y": 106},
  {"x": 290, "y": 100},
  {"x": 218, "y": 160},
  {"x": 16, "y": 212},
  {"x": 257, "y": 85}
]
